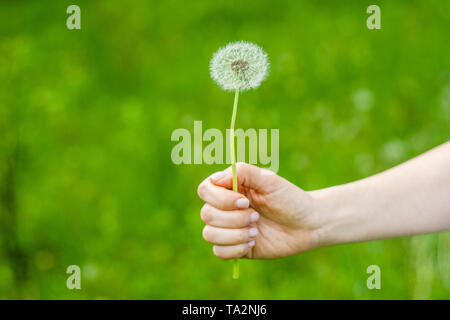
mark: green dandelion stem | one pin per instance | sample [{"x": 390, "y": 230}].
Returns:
[
  {"x": 239, "y": 66},
  {"x": 233, "y": 166}
]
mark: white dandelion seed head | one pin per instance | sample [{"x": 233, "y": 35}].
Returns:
[{"x": 239, "y": 65}]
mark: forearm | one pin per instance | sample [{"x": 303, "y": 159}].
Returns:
[{"x": 412, "y": 198}]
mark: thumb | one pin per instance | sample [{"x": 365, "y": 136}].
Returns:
[{"x": 248, "y": 176}]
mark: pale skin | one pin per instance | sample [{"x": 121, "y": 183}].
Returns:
[{"x": 272, "y": 218}]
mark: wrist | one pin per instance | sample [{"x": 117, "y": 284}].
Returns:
[{"x": 335, "y": 217}]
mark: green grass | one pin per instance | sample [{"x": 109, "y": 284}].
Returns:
[{"x": 86, "y": 117}]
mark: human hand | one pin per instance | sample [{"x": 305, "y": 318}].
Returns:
[{"x": 269, "y": 217}]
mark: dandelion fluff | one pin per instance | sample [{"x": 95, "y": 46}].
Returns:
[{"x": 239, "y": 65}]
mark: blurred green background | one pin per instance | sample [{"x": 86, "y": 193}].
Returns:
[{"x": 86, "y": 117}]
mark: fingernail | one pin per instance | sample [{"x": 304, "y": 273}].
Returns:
[
  {"x": 251, "y": 243},
  {"x": 252, "y": 232},
  {"x": 254, "y": 216},
  {"x": 242, "y": 203}
]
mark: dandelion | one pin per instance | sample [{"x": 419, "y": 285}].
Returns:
[{"x": 239, "y": 66}]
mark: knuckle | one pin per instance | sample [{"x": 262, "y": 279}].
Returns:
[
  {"x": 244, "y": 219},
  {"x": 205, "y": 214},
  {"x": 201, "y": 189},
  {"x": 241, "y": 164},
  {"x": 207, "y": 234},
  {"x": 242, "y": 251},
  {"x": 218, "y": 253},
  {"x": 243, "y": 235}
]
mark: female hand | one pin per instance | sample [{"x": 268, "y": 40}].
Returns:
[{"x": 269, "y": 217}]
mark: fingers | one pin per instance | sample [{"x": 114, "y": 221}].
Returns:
[
  {"x": 228, "y": 219},
  {"x": 248, "y": 176},
  {"x": 221, "y": 198},
  {"x": 227, "y": 214},
  {"x": 231, "y": 232},
  {"x": 221, "y": 236},
  {"x": 232, "y": 252}
]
